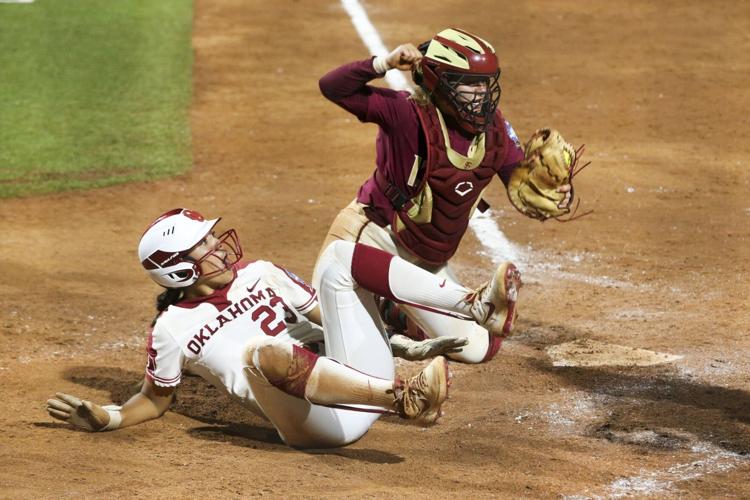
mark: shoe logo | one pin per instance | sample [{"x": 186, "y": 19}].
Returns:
[
  {"x": 442, "y": 285},
  {"x": 251, "y": 288},
  {"x": 464, "y": 188}
]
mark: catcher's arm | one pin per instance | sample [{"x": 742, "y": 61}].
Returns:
[{"x": 148, "y": 404}]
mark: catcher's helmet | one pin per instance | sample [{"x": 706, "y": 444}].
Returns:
[
  {"x": 452, "y": 58},
  {"x": 166, "y": 243}
]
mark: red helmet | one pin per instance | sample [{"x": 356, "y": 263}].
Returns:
[
  {"x": 166, "y": 243},
  {"x": 453, "y": 58}
]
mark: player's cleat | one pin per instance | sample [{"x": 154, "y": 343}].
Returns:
[
  {"x": 421, "y": 396},
  {"x": 493, "y": 305}
]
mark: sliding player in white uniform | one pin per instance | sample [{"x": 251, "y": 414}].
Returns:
[{"x": 248, "y": 328}]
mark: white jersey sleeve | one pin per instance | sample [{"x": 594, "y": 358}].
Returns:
[
  {"x": 165, "y": 358},
  {"x": 302, "y": 296}
]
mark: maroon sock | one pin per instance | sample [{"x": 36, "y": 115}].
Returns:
[{"x": 370, "y": 267}]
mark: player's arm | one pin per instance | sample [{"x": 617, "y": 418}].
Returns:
[
  {"x": 513, "y": 154},
  {"x": 347, "y": 87},
  {"x": 314, "y": 315},
  {"x": 148, "y": 404}
]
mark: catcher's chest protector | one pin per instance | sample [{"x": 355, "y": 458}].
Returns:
[{"x": 432, "y": 225}]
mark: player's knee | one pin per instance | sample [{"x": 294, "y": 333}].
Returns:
[
  {"x": 334, "y": 267},
  {"x": 269, "y": 357},
  {"x": 282, "y": 364},
  {"x": 342, "y": 252}
]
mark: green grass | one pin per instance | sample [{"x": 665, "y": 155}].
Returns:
[{"x": 93, "y": 93}]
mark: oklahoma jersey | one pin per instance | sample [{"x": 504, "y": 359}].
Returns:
[{"x": 207, "y": 335}]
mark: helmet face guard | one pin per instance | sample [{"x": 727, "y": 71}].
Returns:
[
  {"x": 229, "y": 244},
  {"x": 455, "y": 58},
  {"x": 473, "y": 108}
]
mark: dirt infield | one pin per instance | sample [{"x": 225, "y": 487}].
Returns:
[{"x": 658, "y": 92}]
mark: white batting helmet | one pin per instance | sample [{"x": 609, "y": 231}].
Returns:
[{"x": 167, "y": 241}]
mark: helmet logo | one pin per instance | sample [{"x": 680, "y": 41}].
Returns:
[
  {"x": 159, "y": 259},
  {"x": 464, "y": 188},
  {"x": 193, "y": 215}
]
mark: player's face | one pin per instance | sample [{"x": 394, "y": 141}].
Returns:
[
  {"x": 472, "y": 94},
  {"x": 213, "y": 257}
]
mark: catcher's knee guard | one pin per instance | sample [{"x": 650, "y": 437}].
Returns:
[{"x": 282, "y": 364}]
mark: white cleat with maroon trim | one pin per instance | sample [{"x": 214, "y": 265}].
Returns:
[
  {"x": 493, "y": 305},
  {"x": 421, "y": 396}
]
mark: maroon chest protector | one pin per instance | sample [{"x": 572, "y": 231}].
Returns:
[{"x": 454, "y": 191}]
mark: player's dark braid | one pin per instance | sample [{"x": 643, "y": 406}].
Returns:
[{"x": 165, "y": 299}]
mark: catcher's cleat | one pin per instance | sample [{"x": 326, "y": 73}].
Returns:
[
  {"x": 421, "y": 396},
  {"x": 493, "y": 304}
]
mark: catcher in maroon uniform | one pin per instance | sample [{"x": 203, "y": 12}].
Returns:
[{"x": 437, "y": 151}]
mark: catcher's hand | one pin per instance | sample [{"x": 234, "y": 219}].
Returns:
[
  {"x": 414, "y": 350},
  {"x": 541, "y": 186},
  {"x": 79, "y": 413},
  {"x": 404, "y": 57}
]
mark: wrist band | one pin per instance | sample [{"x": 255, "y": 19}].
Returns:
[
  {"x": 380, "y": 65},
  {"x": 115, "y": 419}
]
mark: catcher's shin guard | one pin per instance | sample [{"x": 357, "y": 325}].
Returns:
[{"x": 493, "y": 305}]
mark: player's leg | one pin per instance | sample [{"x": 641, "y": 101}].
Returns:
[
  {"x": 484, "y": 340},
  {"x": 286, "y": 379},
  {"x": 481, "y": 346},
  {"x": 347, "y": 226},
  {"x": 351, "y": 224},
  {"x": 492, "y": 305},
  {"x": 354, "y": 334}
]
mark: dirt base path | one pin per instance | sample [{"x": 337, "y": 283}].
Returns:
[{"x": 659, "y": 95}]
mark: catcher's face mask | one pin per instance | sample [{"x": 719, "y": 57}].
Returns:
[
  {"x": 472, "y": 98},
  {"x": 461, "y": 71}
]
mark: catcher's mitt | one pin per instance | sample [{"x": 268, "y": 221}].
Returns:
[{"x": 549, "y": 163}]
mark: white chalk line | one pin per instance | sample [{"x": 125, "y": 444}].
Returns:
[
  {"x": 371, "y": 38},
  {"x": 714, "y": 460}
]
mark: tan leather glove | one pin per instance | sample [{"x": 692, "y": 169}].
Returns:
[{"x": 548, "y": 164}]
